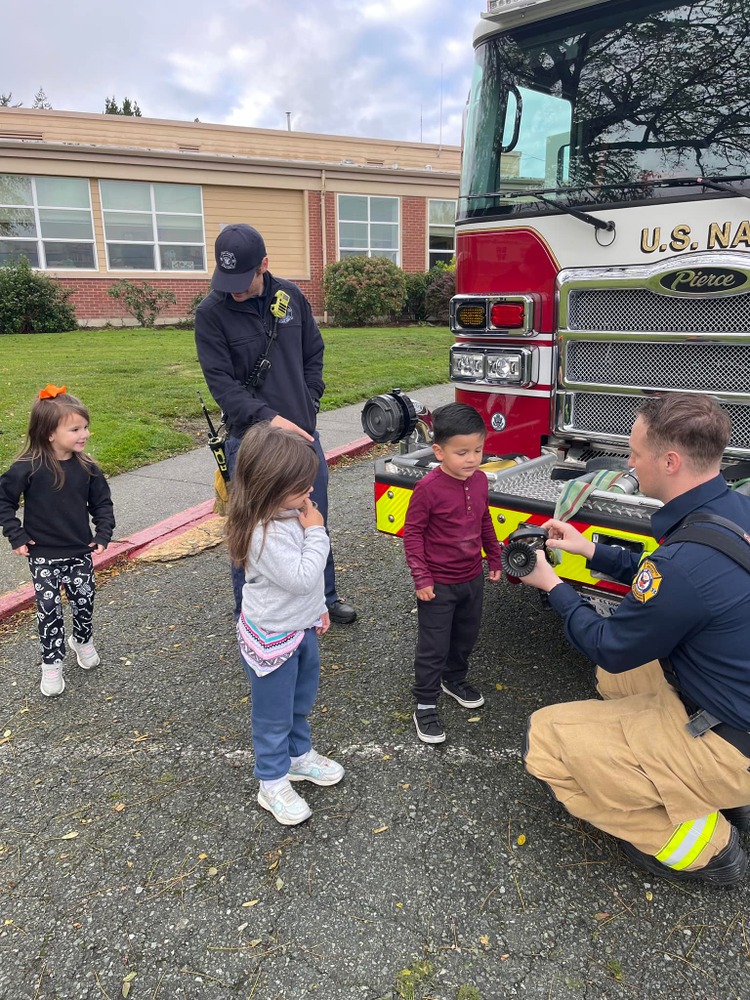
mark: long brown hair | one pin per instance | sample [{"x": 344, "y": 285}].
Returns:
[
  {"x": 46, "y": 415},
  {"x": 272, "y": 464}
]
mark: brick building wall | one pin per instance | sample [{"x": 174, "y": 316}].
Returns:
[
  {"x": 93, "y": 304},
  {"x": 414, "y": 234}
]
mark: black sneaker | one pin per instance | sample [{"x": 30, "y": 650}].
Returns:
[
  {"x": 466, "y": 695},
  {"x": 727, "y": 868},
  {"x": 428, "y": 725}
]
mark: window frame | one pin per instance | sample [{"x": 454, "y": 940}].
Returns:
[
  {"x": 156, "y": 244},
  {"x": 430, "y": 252},
  {"x": 39, "y": 239},
  {"x": 368, "y": 251}
]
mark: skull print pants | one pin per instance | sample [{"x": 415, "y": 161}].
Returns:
[{"x": 76, "y": 575}]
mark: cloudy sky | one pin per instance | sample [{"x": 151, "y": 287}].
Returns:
[{"x": 371, "y": 68}]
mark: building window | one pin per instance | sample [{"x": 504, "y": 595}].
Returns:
[
  {"x": 153, "y": 227},
  {"x": 47, "y": 220},
  {"x": 368, "y": 227},
  {"x": 442, "y": 232}
]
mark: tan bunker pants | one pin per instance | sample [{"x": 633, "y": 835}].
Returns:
[{"x": 629, "y": 766}]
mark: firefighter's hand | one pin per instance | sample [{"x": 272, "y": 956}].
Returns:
[
  {"x": 288, "y": 425},
  {"x": 426, "y": 594},
  {"x": 564, "y": 536},
  {"x": 495, "y": 575},
  {"x": 325, "y": 624},
  {"x": 309, "y": 515},
  {"x": 542, "y": 576}
]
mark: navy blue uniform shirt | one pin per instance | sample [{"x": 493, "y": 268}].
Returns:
[
  {"x": 231, "y": 336},
  {"x": 687, "y": 602}
]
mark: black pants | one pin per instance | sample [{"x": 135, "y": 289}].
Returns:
[
  {"x": 448, "y": 629},
  {"x": 76, "y": 575}
]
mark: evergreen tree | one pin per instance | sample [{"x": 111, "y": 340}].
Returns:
[
  {"x": 40, "y": 101},
  {"x": 6, "y": 101},
  {"x": 130, "y": 108}
]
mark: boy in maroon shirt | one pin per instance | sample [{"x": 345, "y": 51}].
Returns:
[{"x": 447, "y": 525}]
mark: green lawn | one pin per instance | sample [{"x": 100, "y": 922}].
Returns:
[{"x": 140, "y": 385}]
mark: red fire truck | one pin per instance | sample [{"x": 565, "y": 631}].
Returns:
[{"x": 602, "y": 240}]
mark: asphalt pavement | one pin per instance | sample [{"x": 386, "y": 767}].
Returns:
[{"x": 136, "y": 862}]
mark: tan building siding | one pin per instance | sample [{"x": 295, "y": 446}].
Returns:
[
  {"x": 154, "y": 133},
  {"x": 280, "y": 215}
]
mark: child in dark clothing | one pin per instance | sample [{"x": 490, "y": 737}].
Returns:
[
  {"x": 62, "y": 487},
  {"x": 447, "y": 525}
]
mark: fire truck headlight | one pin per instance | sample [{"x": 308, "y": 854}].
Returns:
[
  {"x": 465, "y": 365},
  {"x": 505, "y": 367}
]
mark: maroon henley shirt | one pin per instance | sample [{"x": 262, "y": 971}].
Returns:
[{"x": 448, "y": 523}]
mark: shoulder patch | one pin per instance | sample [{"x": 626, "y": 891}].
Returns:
[{"x": 647, "y": 582}]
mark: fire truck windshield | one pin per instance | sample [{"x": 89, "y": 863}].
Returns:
[{"x": 616, "y": 103}]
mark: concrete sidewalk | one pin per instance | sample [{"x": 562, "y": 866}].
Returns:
[{"x": 159, "y": 500}]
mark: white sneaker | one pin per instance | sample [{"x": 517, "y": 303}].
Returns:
[
  {"x": 316, "y": 768},
  {"x": 86, "y": 654},
  {"x": 285, "y": 805},
  {"x": 53, "y": 682}
]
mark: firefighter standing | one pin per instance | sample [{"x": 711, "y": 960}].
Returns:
[
  {"x": 662, "y": 762},
  {"x": 236, "y": 333}
]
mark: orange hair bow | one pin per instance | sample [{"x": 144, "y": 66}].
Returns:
[{"x": 50, "y": 391}]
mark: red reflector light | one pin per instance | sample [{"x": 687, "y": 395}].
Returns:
[{"x": 508, "y": 315}]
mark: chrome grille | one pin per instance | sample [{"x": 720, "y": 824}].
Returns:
[
  {"x": 639, "y": 310},
  {"x": 719, "y": 368},
  {"x": 610, "y": 414}
]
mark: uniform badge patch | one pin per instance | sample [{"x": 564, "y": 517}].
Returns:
[{"x": 647, "y": 582}]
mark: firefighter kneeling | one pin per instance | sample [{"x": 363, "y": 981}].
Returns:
[{"x": 662, "y": 761}]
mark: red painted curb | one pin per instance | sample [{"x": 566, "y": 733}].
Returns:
[{"x": 23, "y": 598}]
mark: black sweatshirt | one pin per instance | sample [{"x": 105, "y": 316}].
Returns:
[{"x": 57, "y": 521}]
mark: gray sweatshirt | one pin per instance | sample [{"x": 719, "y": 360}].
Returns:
[{"x": 284, "y": 588}]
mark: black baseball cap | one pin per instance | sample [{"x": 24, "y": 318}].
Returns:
[{"x": 239, "y": 250}]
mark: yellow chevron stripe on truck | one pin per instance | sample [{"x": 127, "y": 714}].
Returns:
[{"x": 390, "y": 513}]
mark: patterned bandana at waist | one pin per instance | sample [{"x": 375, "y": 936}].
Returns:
[{"x": 264, "y": 652}]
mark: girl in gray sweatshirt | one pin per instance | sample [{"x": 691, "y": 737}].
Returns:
[{"x": 276, "y": 533}]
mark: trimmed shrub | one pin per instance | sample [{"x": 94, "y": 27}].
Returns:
[
  {"x": 359, "y": 290},
  {"x": 415, "y": 309},
  {"x": 142, "y": 300},
  {"x": 32, "y": 302},
  {"x": 440, "y": 291}
]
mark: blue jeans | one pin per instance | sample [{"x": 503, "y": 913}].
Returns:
[
  {"x": 280, "y": 704},
  {"x": 319, "y": 495}
]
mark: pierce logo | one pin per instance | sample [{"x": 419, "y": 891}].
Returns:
[
  {"x": 227, "y": 260},
  {"x": 704, "y": 281}
]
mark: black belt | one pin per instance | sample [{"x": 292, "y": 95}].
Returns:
[{"x": 701, "y": 721}]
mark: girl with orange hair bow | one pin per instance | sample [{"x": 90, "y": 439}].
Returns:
[{"x": 62, "y": 489}]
